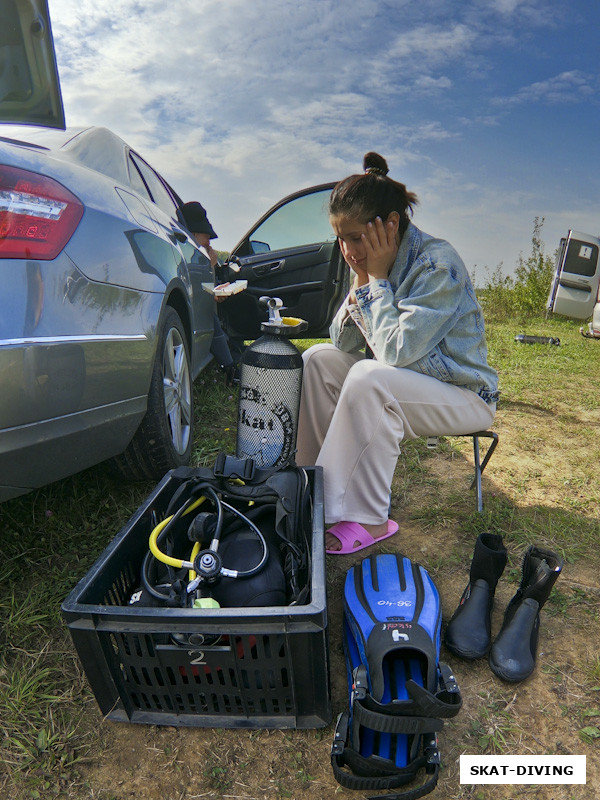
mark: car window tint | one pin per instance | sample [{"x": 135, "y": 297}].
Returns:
[
  {"x": 136, "y": 179},
  {"x": 303, "y": 220},
  {"x": 159, "y": 192}
]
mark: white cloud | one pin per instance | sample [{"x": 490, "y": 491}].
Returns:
[
  {"x": 409, "y": 60},
  {"x": 427, "y": 83},
  {"x": 431, "y": 44},
  {"x": 567, "y": 87},
  {"x": 520, "y": 17},
  {"x": 429, "y": 131},
  {"x": 507, "y": 6}
]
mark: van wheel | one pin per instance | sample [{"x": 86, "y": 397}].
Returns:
[{"x": 164, "y": 439}]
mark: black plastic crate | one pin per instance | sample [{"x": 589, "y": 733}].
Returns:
[{"x": 226, "y": 667}]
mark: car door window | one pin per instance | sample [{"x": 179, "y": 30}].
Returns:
[
  {"x": 158, "y": 191},
  {"x": 290, "y": 253},
  {"x": 303, "y": 220}
]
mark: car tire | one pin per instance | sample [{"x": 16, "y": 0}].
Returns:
[{"x": 164, "y": 439}]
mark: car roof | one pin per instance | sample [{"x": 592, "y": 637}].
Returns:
[{"x": 95, "y": 147}]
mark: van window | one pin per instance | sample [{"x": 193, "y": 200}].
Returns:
[{"x": 582, "y": 258}]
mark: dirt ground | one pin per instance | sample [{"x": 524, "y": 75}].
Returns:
[{"x": 545, "y": 715}]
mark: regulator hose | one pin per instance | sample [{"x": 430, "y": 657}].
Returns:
[
  {"x": 247, "y": 573},
  {"x": 161, "y": 530}
]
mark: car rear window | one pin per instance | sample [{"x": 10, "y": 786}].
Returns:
[{"x": 158, "y": 191}]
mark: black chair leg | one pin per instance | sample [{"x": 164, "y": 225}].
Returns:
[{"x": 481, "y": 465}]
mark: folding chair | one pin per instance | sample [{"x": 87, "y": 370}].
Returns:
[{"x": 479, "y": 464}]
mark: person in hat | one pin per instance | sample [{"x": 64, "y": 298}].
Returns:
[{"x": 196, "y": 221}]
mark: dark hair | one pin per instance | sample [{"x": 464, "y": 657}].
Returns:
[{"x": 372, "y": 194}]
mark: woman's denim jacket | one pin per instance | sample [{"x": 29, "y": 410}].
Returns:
[{"x": 424, "y": 317}]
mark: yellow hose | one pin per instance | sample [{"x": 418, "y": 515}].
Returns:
[
  {"x": 195, "y": 551},
  {"x": 178, "y": 563}
]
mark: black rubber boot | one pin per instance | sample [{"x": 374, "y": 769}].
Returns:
[
  {"x": 469, "y": 631},
  {"x": 513, "y": 653}
]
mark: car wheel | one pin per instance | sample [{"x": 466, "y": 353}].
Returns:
[{"x": 164, "y": 439}]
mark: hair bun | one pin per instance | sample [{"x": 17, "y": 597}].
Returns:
[{"x": 374, "y": 164}]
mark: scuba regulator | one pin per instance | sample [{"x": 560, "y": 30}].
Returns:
[{"x": 224, "y": 542}]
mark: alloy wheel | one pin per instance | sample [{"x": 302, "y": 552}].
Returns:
[{"x": 177, "y": 389}]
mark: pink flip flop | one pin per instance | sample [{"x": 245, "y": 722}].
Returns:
[{"x": 349, "y": 532}]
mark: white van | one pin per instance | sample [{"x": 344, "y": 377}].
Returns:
[{"x": 575, "y": 287}]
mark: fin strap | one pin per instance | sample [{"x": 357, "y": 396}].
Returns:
[
  {"x": 386, "y": 722},
  {"x": 423, "y": 706},
  {"x": 375, "y": 773}
]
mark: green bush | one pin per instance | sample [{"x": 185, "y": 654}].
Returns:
[{"x": 525, "y": 293}]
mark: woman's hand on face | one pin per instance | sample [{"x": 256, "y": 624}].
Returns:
[{"x": 381, "y": 247}]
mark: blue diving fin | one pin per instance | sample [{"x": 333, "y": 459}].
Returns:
[{"x": 399, "y": 691}]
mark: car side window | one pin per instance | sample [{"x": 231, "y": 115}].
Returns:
[
  {"x": 303, "y": 220},
  {"x": 136, "y": 179},
  {"x": 158, "y": 191}
]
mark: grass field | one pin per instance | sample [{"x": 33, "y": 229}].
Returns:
[{"x": 542, "y": 486}]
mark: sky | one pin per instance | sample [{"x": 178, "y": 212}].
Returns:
[{"x": 488, "y": 109}]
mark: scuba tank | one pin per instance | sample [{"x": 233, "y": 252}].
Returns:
[
  {"x": 270, "y": 384},
  {"x": 525, "y": 338}
]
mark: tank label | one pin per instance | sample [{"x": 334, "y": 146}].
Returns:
[{"x": 264, "y": 434}]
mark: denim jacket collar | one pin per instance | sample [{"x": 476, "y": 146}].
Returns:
[{"x": 409, "y": 249}]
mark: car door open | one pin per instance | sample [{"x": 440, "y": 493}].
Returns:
[
  {"x": 29, "y": 85},
  {"x": 291, "y": 253}
]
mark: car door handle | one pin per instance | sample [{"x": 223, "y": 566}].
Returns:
[
  {"x": 266, "y": 269},
  {"x": 575, "y": 284}
]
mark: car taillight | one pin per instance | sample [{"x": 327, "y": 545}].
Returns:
[{"x": 38, "y": 215}]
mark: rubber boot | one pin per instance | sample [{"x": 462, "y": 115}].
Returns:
[
  {"x": 513, "y": 653},
  {"x": 469, "y": 631}
]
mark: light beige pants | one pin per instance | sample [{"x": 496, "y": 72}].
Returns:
[{"x": 355, "y": 412}]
